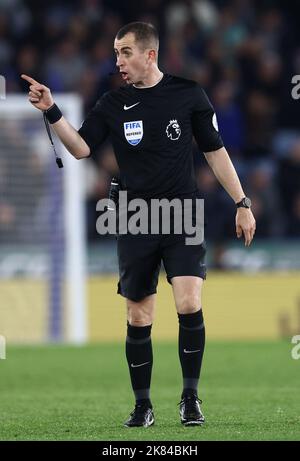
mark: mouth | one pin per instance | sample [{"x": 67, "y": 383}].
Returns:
[{"x": 124, "y": 75}]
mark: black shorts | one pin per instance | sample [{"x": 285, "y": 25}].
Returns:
[{"x": 140, "y": 259}]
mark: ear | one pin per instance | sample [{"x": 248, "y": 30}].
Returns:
[{"x": 152, "y": 55}]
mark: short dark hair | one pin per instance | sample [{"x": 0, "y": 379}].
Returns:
[{"x": 144, "y": 32}]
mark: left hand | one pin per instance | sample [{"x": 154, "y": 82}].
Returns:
[{"x": 245, "y": 224}]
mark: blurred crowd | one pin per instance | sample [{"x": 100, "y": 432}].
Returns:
[{"x": 243, "y": 52}]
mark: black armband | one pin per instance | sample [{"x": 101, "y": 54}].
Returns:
[{"x": 53, "y": 114}]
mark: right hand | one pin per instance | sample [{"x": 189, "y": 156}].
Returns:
[{"x": 39, "y": 95}]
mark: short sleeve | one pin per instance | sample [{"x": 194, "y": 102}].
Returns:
[
  {"x": 94, "y": 130},
  {"x": 204, "y": 123}
]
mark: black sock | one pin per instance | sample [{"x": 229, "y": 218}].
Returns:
[
  {"x": 140, "y": 358},
  {"x": 191, "y": 344}
]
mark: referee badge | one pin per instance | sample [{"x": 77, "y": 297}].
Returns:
[{"x": 133, "y": 132}]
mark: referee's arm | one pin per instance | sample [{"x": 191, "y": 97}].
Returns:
[
  {"x": 40, "y": 97},
  {"x": 223, "y": 169},
  {"x": 71, "y": 139}
]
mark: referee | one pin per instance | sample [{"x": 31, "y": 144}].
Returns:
[{"x": 151, "y": 122}]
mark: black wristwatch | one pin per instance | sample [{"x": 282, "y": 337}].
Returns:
[{"x": 244, "y": 203}]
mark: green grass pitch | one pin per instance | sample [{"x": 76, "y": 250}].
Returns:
[{"x": 250, "y": 391}]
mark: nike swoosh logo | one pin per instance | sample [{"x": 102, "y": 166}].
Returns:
[
  {"x": 191, "y": 352},
  {"x": 130, "y": 107},
  {"x": 140, "y": 365}
]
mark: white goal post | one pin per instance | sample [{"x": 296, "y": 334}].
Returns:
[{"x": 65, "y": 271}]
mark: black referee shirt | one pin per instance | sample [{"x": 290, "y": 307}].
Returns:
[{"x": 151, "y": 130}]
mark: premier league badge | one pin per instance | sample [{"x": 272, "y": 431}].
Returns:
[
  {"x": 173, "y": 130},
  {"x": 133, "y": 132}
]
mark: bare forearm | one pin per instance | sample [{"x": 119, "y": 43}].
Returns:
[
  {"x": 71, "y": 138},
  {"x": 220, "y": 163}
]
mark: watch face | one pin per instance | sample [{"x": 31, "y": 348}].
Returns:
[{"x": 247, "y": 202}]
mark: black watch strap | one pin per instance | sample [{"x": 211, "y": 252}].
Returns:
[{"x": 244, "y": 203}]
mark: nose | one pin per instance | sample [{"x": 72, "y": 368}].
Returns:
[{"x": 119, "y": 61}]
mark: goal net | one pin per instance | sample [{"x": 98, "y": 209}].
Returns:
[{"x": 42, "y": 228}]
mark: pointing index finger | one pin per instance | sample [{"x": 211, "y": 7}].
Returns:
[{"x": 29, "y": 79}]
